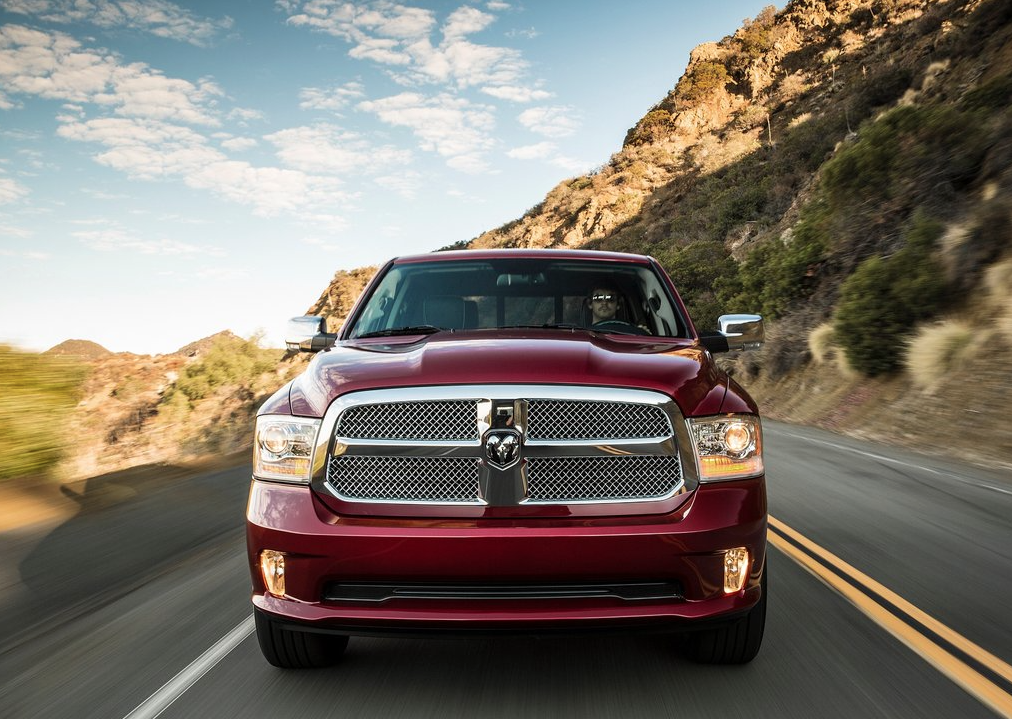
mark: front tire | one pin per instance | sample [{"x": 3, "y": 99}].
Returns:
[
  {"x": 291, "y": 649},
  {"x": 735, "y": 643}
]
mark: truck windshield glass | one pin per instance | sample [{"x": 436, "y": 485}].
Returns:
[{"x": 619, "y": 298}]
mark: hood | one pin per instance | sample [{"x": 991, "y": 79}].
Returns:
[{"x": 679, "y": 368}]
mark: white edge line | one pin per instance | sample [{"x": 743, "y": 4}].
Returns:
[
  {"x": 177, "y": 686},
  {"x": 882, "y": 458}
]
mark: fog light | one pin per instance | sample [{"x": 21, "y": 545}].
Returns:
[
  {"x": 272, "y": 566},
  {"x": 735, "y": 569}
]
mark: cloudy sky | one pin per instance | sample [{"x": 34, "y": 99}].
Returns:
[{"x": 172, "y": 169}]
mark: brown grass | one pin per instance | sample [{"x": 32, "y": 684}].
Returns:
[{"x": 937, "y": 351}]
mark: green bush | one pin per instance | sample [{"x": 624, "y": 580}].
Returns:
[
  {"x": 697, "y": 271},
  {"x": 910, "y": 154},
  {"x": 775, "y": 274},
  {"x": 37, "y": 393},
  {"x": 655, "y": 125},
  {"x": 885, "y": 298},
  {"x": 230, "y": 361},
  {"x": 704, "y": 79}
]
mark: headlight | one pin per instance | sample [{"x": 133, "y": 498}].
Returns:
[
  {"x": 727, "y": 447},
  {"x": 283, "y": 447}
]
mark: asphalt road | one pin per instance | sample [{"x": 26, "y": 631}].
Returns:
[{"x": 889, "y": 586}]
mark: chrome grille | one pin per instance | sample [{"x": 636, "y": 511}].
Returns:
[
  {"x": 578, "y": 420},
  {"x": 433, "y": 421},
  {"x": 405, "y": 479},
  {"x": 576, "y": 479},
  {"x": 580, "y": 444}
]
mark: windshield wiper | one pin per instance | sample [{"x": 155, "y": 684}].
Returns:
[
  {"x": 394, "y": 331},
  {"x": 546, "y": 326}
]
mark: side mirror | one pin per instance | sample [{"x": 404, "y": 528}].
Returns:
[
  {"x": 736, "y": 332},
  {"x": 308, "y": 334}
]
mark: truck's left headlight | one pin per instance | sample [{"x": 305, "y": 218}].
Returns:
[
  {"x": 727, "y": 447},
  {"x": 283, "y": 447}
]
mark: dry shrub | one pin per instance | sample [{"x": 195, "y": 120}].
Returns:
[
  {"x": 937, "y": 350},
  {"x": 821, "y": 344},
  {"x": 825, "y": 352},
  {"x": 998, "y": 284}
]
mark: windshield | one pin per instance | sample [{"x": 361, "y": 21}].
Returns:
[{"x": 425, "y": 297}]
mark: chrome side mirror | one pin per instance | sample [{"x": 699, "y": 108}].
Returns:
[
  {"x": 308, "y": 334},
  {"x": 743, "y": 332}
]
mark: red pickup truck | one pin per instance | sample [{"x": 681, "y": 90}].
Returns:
[{"x": 510, "y": 441}]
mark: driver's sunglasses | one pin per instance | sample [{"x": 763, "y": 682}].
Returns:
[{"x": 604, "y": 298}]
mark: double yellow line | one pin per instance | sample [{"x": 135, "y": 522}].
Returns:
[{"x": 860, "y": 590}]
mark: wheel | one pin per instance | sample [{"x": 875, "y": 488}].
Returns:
[
  {"x": 292, "y": 649},
  {"x": 735, "y": 643}
]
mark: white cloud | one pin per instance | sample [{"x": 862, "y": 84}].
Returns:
[
  {"x": 400, "y": 37},
  {"x": 146, "y": 149},
  {"x": 245, "y": 115},
  {"x": 550, "y": 121},
  {"x": 540, "y": 151},
  {"x": 158, "y": 17},
  {"x": 405, "y": 184},
  {"x": 572, "y": 166},
  {"x": 327, "y": 221},
  {"x": 55, "y": 66},
  {"x": 20, "y": 233},
  {"x": 11, "y": 191},
  {"x": 270, "y": 190},
  {"x": 514, "y": 93},
  {"x": 352, "y": 22},
  {"x": 239, "y": 144},
  {"x": 497, "y": 6},
  {"x": 466, "y": 21},
  {"x": 113, "y": 239},
  {"x": 149, "y": 149},
  {"x": 528, "y": 34},
  {"x": 472, "y": 164},
  {"x": 329, "y": 149},
  {"x": 23, "y": 254},
  {"x": 315, "y": 98},
  {"x": 222, "y": 274},
  {"x": 450, "y": 126},
  {"x": 548, "y": 152}
]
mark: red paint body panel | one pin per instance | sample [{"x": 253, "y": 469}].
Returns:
[
  {"x": 677, "y": 368},
  {"x": 682, "y": 546}
]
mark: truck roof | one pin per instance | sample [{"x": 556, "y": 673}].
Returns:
[{"x": 489, "y": 254}]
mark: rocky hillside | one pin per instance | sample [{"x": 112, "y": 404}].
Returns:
[{"x": 843, "y": 167}]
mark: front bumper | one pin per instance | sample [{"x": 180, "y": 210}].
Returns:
[{"x": 683, "y": 549}]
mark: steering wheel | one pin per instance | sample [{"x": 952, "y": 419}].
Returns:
[{"x": 619, "y": 326}]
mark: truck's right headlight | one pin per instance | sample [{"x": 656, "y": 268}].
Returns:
[
  {"x": 727, "y": 447},
  {"x": 283, "y": 447}
]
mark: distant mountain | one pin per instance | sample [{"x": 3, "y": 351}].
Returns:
[
  {"x": 195, "y": 349},
  {"x": 82, "y": 349}
]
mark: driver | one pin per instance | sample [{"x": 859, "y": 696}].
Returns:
[{"x": 603, "y": 305}]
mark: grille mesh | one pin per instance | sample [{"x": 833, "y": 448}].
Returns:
[
  {"x": 573, "y": 479},
  {"x": 435, "y": 421},
  {"x": 577, "y": 420},
  {"x": 407, "y": 479}
]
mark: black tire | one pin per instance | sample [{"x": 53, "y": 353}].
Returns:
[
  {"x": 292, "y": 649},
  {"x": 736, "y": 643}
]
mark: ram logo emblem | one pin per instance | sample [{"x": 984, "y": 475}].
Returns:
[{"x": 502, "y": 447}]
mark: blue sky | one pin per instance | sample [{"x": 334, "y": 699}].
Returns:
[{"x": 172, "y": 169}]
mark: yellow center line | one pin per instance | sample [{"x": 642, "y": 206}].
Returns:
[{"x": 972, "y": 681}]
